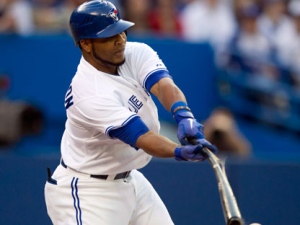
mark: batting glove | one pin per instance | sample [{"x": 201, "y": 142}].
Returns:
[
  {"x": 189, "y": 153},
  {"x": 188, "y": 127},
  {"x": 194, "y": 153},
  {"x": 206, "y": 144}
]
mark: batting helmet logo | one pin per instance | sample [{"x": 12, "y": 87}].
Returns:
[{"x": 113, "y": 13}]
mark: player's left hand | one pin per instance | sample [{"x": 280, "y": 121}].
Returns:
[{"x": 189, "y": 129}]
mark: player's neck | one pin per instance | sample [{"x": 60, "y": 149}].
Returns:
[
  {"x": 104, "y": 66},
  {"x": 110, "y": 70}
]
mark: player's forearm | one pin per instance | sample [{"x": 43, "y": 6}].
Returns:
[
  {"x": 167, "y": 93},
  {"x": 156, "y": 145}
]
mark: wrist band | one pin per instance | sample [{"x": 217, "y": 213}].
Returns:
[{"x": 179, "y": 108}]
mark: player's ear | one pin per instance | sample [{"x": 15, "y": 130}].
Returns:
[{"x": 85, "y": 45}]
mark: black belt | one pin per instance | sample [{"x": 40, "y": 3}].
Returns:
[{"x": 103, "y": 177}]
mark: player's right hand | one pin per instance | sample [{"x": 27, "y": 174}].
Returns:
[
  {"x": 189, "y": 153},
  {"x": 206, "y": 144},
  {"x": 194, "y": 153}
]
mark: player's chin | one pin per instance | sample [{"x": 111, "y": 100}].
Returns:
[{"x": 119, "y": 62}]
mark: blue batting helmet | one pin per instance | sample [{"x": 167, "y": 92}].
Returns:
[{"x": 96, "y": 19}]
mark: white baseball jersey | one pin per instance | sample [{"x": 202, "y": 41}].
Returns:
[{"x": 97, "y": 102}]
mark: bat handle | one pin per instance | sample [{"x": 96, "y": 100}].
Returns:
[{"x": 192, "y": 141}]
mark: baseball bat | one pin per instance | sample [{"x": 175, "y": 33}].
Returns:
[{"x": 230, "y": 208}]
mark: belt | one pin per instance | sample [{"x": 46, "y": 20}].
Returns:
[{"x": 103, "y": 177}]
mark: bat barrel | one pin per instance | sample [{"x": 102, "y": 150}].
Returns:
[
  {"x": 230, "y": 208},
  {"x": 229, "y": 204},
  {"x": 235, "y": 221}
]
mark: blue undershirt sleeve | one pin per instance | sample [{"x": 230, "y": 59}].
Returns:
[
  {"x": 155, "y": 77},
  {"x": 130, "y": 132}
]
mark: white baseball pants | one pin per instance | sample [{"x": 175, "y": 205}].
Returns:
[{"x": 78, "y": 199}]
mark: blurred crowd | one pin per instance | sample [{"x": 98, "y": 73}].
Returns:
[
  {"x": 259, "y": 37},
  {"x": 261, "y": 30}
]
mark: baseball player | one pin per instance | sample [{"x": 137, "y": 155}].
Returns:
[{"x": 112, "y": 127}]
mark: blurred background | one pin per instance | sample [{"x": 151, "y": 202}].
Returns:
[{"x": 237, "y": 61}]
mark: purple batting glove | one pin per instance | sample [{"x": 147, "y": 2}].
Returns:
[
  {"x": 189, "y": 129},
  {"x": 206, "y": 144},
  {"x": 189, "y": 153}
]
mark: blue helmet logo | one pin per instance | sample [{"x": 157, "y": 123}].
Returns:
[{"x": 113, "y": 13}]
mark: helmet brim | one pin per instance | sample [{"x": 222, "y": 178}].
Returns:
[{"x": 114, "y": 29}]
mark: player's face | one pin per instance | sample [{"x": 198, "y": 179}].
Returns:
[{"x": 109, "y": 51}]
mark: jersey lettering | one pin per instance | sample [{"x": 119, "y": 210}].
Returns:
[
  {"x": 69, "y": 98},
  {"x": 135, "y": 104}
]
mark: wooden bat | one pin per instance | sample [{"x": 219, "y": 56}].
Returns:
[{"x": 229, "y": 205}]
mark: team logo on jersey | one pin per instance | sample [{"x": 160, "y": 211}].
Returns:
[
  {"x": 113, "y": 13},
  {"x": 134, "y": 104}
]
